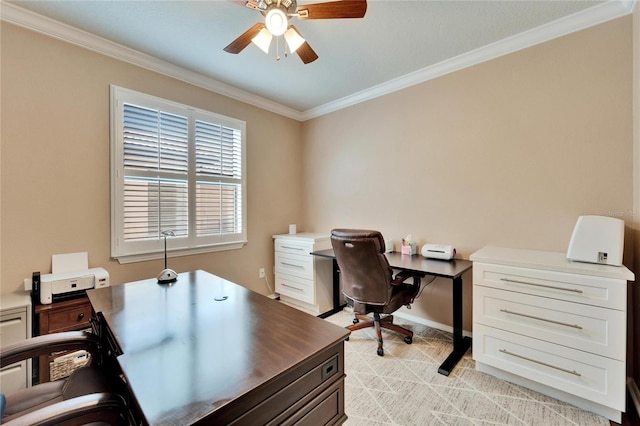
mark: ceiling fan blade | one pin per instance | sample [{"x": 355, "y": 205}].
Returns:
[
  {"x": 243, "y": 41},
  {"x": 306, "y": 53},
  {"x": 333, "y": 10}
]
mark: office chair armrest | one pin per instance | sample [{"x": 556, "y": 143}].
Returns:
[
  {"x": 80, "y": 410},
  {"x": 402, "y": 276},
  {"x": 49, "y": 343}
]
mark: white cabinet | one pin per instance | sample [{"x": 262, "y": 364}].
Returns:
[
  {"x": 552, "y": 325},
  {"x": 304, "y": 281},
  {"x": 15, "y": 325}
]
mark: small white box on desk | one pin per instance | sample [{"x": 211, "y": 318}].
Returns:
[{"x": 437, "y": 251}]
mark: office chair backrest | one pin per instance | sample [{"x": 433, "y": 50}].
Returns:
[{"x": 365, "y": 272}]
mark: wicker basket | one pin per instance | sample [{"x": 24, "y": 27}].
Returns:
[{"x": 64, "y": 365}]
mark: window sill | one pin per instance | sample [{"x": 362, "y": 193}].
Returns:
[{"x": 132, "y": 258}]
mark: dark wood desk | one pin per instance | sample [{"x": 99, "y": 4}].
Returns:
[
  {"x": 191, "y": 359},
  {"x": 451, "y": 269}
]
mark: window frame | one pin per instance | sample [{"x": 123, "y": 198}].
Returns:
[{"x": 127, "y": 252}]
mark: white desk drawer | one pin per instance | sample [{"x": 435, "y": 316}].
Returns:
[
  {"x": 592, "y": 329},
  {"x": 590, "y": 290},
  {"x": 295, "y": 287},
  {"x": 294, "y": 264},
  {"x": 293, "y": 247},
  {"x": 589, "y": 376},
  {"x": 13, "y": 329}
]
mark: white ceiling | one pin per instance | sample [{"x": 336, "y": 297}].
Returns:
[{"x": 396, "y": 44}]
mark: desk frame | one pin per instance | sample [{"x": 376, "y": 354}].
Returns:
[{"x": 450, "y": 269}]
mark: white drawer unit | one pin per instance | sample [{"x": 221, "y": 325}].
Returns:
[
  {"x": 552, "y": 325},
  {"x": 15, "y": 325},
  {"x": 303, "y": 281}
]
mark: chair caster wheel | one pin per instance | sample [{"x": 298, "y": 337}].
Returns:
[
  {"x": 408, "y": 340},
  {"x": 380, "y": 352},
  {"x": 356, "y": 320}
]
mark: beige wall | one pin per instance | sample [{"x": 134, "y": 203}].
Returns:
[
  {"x": 55, "y": 163},
  {"x": 509, "y": 152}
]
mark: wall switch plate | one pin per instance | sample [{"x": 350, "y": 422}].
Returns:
[{"x": 261, "y": 273}]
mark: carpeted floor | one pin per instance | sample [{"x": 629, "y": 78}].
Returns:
[{"x": 404, "y": 387}]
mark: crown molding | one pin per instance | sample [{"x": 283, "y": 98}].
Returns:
[
  {"x": 18, "y": 16},
  {"x": 604, "y": 12}
]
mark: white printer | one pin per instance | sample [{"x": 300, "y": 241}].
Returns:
[{"x": 59, "y": 286}]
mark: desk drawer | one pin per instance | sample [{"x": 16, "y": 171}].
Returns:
[
  {"x": 590, "y": 290},
  {"x": 589, "y": 376},
  {"x": 293, "y": 247},
  {"x": 295, "y": 287},
  {"x": 593, "y": 329},
  {"x": 70, "y": 319},
  {"x": 13, "y": 328},
  {"x": 294, "y": 264}
]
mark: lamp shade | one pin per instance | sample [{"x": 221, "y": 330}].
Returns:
[
  {"x": 263, "y": 40},
  {"x": 294, "y": 39}
]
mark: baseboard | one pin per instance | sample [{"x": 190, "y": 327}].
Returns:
[
  {"x": 428, "y": 323},
  {"x": 635, "y": 393}
]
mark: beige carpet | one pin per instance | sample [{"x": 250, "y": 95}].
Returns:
[{"x": 404, "y": 387}]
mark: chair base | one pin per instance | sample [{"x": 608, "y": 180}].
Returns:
[{"x": 363, "y": 321}]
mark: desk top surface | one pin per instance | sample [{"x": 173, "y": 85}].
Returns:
[
  {"x": 186, "y": 354},
  {"x": 440, "y": 268}
]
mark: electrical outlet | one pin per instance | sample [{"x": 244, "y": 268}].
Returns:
[{"x": 261, "y": 273}]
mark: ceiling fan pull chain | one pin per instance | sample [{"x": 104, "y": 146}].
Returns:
[{"x": 277, "y": 48}]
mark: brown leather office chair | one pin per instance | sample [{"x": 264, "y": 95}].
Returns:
[
  {"x": 368, "y": 282},
  {"x": 88, "y": 395}
]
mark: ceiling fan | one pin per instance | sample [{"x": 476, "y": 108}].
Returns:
[{"x": 276, "y": 23}]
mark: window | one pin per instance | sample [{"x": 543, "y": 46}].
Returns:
[{"x": 176, "y": 168}]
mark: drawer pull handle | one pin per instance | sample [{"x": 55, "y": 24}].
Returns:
[
  {"x": 290, "y": 286},
  {"x": 506, "y": 311},
  {"x": 81, "y": 315},
  {"x": 573, "y": 290},
  {"x": 293, "y": 248},
  {"x": 291, "y": 264},
  {"x": 574, "y": 372}
]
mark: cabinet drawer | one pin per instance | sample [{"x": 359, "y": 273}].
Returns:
[
  {"x": 13, "y": 327},
  {"x": 591, "y": 290},
  {"x": 69, "y": 319},
  {"x": 294, "y": 264},
  {"x": 589, "y": 376},
  {"x": 15, "y": 377},
  {"x": 293, "y": 247},
  {"x": 295, "y": 287},
  {"x": 593, "y": 329}
]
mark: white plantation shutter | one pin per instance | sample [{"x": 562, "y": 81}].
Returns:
[
  {"x": 155, "y": 167},
  {"x": 219, "y": 174},
  {"x": 174, "y": 167}
]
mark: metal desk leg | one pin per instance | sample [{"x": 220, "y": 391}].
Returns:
[
  {"x": 337, "y": 307},
  {"x": 460, "y": 343}
]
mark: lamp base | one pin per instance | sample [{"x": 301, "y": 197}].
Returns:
[{"x": 167, "y": 276}]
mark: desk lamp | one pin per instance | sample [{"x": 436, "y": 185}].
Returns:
[{"x": 167, "y": 275}]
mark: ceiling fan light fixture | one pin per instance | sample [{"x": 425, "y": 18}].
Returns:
[
  {"x": 294, "y": 39},
  {"x": 276, "y": 21},
  {"x": 263, "y": 40}
]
